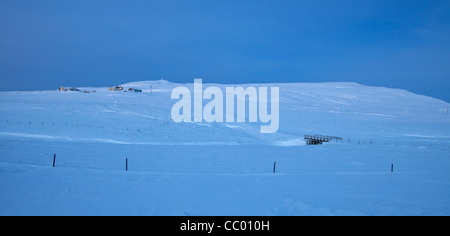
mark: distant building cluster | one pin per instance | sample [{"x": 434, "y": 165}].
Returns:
[
  {"x": 120, "y": 88},
  {"x": 116, "y": 89},
  {"x": 73, "y": 89}
]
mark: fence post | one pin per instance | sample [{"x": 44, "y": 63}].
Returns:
[
  {"x": 274, "y": 166},
  {"x": 54, "y": 160},
  {"x": 126, "y": 164}
]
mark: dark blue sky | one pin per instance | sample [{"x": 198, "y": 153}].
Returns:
[{"x": 402, "y": 44}]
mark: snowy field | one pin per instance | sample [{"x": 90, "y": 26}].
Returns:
[{"x": 224, "y": 168}]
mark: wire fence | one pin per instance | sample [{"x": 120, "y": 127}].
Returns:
[
  {"x": 59, "y": 124},
  {"x": 159, "y": 126}
]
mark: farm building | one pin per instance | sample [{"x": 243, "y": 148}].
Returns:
[
  {"x": 62, "y": 89},
  {"x": 116, "y": 88},
  {"x": 135, "y": 90}
]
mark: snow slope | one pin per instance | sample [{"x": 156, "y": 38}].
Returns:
[{"x": 224, "y": 168}]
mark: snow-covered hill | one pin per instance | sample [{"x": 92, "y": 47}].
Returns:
[{"x": 224, "y": 168}]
